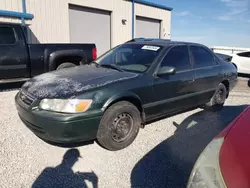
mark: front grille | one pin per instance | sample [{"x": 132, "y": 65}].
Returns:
[{"x": 25, "y": 98}]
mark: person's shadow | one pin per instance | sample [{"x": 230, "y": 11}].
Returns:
[
  {"x": 63, "y": 175},
  {"x": 169, "y": 164}
]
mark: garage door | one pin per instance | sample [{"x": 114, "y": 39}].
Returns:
[
  {"x": 90, "y": 26},
  {"x": 147, "y": 28}
]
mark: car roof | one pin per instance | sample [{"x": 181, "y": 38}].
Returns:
[{"x": 162, "y": 42}]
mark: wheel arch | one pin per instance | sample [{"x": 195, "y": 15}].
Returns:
[
  {"x": 235, "y": 65},
  {"x": 127, "y": 96},
  {"x": 75, "y": 56},
  {"x": 227, "y": 85}
]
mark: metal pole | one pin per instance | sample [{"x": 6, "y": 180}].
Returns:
[
  {"x": 24, "y": 10},
  {"x": 133, "y": 19}
]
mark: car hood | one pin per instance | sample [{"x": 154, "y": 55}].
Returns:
[{"x": 71, "y": 82}]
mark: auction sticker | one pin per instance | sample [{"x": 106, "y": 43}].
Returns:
[{"x": 152, "y": 48}]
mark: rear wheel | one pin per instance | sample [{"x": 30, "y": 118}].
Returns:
[
  {"x": 218, "y": 99},
  {"x": 119, "y": 126},
  {"x": 65, "y": 65}
]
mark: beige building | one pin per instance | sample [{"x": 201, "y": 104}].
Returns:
[{"x": 104, "y": 22}]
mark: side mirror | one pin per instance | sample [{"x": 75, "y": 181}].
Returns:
[{"x": 166, "y": 70}]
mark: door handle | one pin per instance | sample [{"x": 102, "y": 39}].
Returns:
[{"x": 191, "y": 81}]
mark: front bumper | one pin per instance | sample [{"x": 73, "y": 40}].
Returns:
[{"x": 59, "y": 128}]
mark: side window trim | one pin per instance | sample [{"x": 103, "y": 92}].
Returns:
[
  {"x": 207, "y": 67},
  {"x": 191, "y": 58},
  {"x": 215, "y": 63},
  {"x": 15, "y": 35},
  {"x": 161, "y": 61},
  {"x": 164, "y": 53}
]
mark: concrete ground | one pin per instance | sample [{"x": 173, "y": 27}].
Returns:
[{"x": 162, "y": 155}]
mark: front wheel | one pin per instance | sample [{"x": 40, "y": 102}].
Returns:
[
  {"x": 218, "y": 99},
  {"x": 119, "y": 126}
]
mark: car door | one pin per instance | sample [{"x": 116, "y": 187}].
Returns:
[
  {"x": 207, "y": 73},
  {"x": 13, "y": 54},
  {"x": 243, "y": 61},
  {"x": 174, "y": 92}
]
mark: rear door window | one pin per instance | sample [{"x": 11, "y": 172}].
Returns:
[
  {"x": 7, "y": 36},
  {"x": 177, "y": 57},
  {"x": 202, "y": 57}
]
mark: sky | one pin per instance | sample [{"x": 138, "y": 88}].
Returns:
[{"x": 210, "y": 22}]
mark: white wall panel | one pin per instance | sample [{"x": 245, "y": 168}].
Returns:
[
  {"x": 51, "y": 18},
  {"x": 88, "y": 25},
  {"x": 49, "y": 24},
  {"x": 147, "y": 28},
  {"x": 119, "y": 9},
  {"x": 11, "y": 5},
  {"x": 121, "y": 32},
  {"x": 156, "y": 13}
]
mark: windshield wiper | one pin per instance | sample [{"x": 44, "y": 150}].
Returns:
[{"x": 111, "y": 66}]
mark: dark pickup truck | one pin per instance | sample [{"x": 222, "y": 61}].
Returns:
[{"x": 20, "y": 60}]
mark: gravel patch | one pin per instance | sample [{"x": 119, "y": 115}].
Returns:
[{"x": 162, "y": 155}]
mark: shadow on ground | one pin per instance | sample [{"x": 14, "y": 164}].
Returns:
[
  {"x": 63, "y": 175},
  {"x": 170, "y": 163}
]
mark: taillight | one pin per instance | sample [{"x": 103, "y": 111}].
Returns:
[{"x": 94, "y": 53}]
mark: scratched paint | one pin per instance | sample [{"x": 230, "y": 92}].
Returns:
[{"x": 74, "y": 81}]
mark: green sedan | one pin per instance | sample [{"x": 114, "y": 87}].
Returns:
[{"x": 110, "y": 99}]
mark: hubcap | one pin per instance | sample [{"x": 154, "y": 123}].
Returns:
[{"x": 121, "y": 127}]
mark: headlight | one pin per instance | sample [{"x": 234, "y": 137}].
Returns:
[
  {"x": 65, "y": 105},
  {"x": 206, "y": 172}
]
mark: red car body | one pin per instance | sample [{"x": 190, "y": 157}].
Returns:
[
  {"x": 225, "y": 162},
  {"x": 234, "y": 157}
]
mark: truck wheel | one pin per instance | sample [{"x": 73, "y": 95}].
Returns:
[
  {"x": 119, "y": 126},
  {"x": 218, "y": 99},
  {"x": 65, "y": 65}
]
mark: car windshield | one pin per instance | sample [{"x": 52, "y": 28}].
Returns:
[{"x": 131, "y": 57}]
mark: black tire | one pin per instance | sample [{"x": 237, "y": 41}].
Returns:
[
  {"x": 65, "y": 65},
  {"x": 218, "y": 99},
  {"x": 119, "y": 126}
]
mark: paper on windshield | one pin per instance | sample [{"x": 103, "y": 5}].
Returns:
[{"x": 152, "y": 48}]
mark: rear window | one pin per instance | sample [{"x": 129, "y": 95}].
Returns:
[
  {"x": 244, "y": 54},
  {"x": 7, "y": 35},
  {"x": 131, "y": 57}
]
